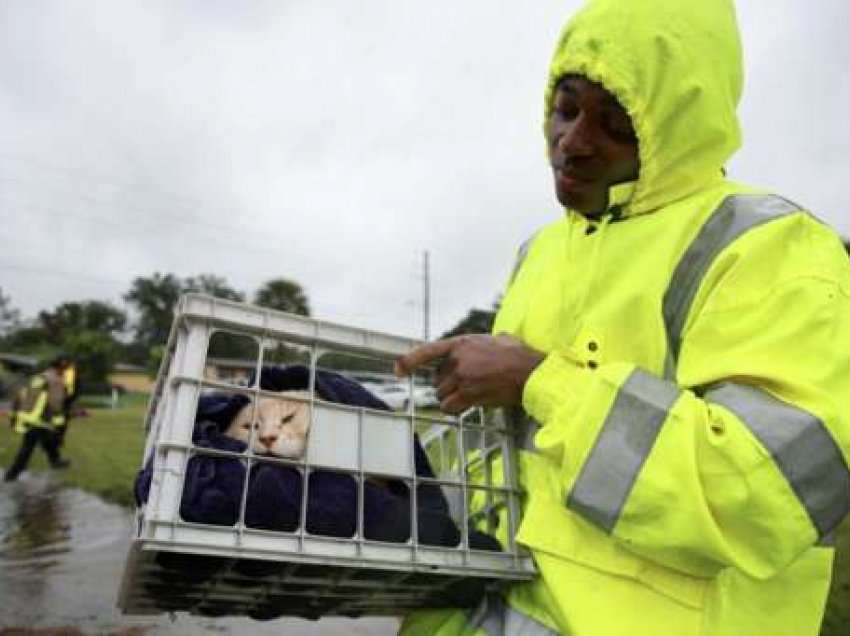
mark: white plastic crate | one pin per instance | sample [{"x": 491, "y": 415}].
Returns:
[{"x": 177, "y": 565}]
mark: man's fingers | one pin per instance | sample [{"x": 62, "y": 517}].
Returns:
[
  {"x": 453, "y": 404},
  {"x": 446, "y": 387},
  {"x": 445, "y": 368},
  {"x": 460, "y": 398},
  {"x": 424, "y": 354},
  {"x": 457, "y": 402}
]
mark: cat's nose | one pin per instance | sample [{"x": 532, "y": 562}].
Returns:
[{"x": 268, "y": 440}]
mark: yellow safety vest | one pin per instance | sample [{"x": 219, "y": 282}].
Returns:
[
  {"x": 33, "y": 407},
  {"x": 69, "y": 377}
]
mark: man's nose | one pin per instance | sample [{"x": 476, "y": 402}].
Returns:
[{"x": 576, "y": 139}]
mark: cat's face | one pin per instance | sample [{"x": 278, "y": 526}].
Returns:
[{"x": 281, "y": 425}]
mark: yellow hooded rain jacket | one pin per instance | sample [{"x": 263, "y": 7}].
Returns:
[{"x": 694, "y": 404}]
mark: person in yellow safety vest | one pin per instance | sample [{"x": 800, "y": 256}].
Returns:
[
  {"x": 37, "y": 412},
  {"x": 679, "y": 344},
  {"x": 69, "y": 382}
]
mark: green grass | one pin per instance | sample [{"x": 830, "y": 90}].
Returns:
[{"x": 106, "y": 449}]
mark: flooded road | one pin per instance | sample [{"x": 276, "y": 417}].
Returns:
[{"x": 62, "y": 553}]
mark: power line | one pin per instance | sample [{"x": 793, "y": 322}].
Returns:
[
  {"x": 225, "y": 237},
  {"x": 189, "y": 205},
  {"x": 108, "y": 180},
  {"x": 195, "y": 222},
  {"x": 56, "y": 273}
]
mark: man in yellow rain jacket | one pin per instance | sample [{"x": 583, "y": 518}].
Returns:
[
  {"x": 679, "y": 341},
  {"x": 37, "y": 414}
]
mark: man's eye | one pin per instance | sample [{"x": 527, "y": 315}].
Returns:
[
  {"x": 565, "y": 111},
  {"x": 287, "y": 418},
  {"x": 247, "y": 426},
  {"x": 621, "y": 129}
]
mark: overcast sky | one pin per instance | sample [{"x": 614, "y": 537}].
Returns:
[{"x": 333, "y": 142}]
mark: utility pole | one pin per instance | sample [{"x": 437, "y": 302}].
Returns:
[{"x": 426, "y": 296}]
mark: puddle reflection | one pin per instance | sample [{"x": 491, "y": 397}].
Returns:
[
  {"x": 62, "y": 553},
  {"x": 34, "y": 532}
]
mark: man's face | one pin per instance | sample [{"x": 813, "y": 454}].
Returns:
[{"x": 592, "y": 144}]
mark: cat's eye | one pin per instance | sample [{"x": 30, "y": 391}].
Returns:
[{"x": 287, "y": 418}]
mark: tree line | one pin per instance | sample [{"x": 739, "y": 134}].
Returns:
[{"x": 98, "y": 334}]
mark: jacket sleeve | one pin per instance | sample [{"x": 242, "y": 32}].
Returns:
[{"x": 743, "y": 460}]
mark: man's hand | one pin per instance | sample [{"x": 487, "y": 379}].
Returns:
[{"x": 475, "y": 370}]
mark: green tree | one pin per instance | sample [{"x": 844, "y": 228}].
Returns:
[
  {"x": 153, "y": 299},
  {"x": 95, "y": 353},
  {"x": 87, "y": 331},
  {"x": 212, "y": 285},
  {"x": 73, "y": 317},
  {"x": 283, "y": 294},
  {"x": 30, "y": 340},
  {"x": 9, "y": 316}
]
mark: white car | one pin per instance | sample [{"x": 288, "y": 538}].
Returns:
[
  {"x": 397, "y": 395},
  {"x": 425, "y": 397}
]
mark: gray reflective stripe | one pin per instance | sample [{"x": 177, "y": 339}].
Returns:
[
  {"x": 827, "y": 541},
  {"x": 522, "y": 252},
  {"x": 526, "y": 439},
  {"x": 495, "y": 618},
  {"x": 801, "y": 447},
  {"x": 627, "y": 436},
  {"x": 737, "y": 214},
  {"x": 524, "y": 428}
]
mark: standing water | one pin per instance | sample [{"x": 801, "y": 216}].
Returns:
[{"x": 62, "y": 554}]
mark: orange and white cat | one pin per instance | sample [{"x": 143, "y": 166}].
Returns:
[{"x": 281, "y": 425}]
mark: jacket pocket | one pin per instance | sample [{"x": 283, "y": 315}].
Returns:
[{"x": 550, "y": 527}]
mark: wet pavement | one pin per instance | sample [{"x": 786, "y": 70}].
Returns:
[{"x": 62, "y": 553}]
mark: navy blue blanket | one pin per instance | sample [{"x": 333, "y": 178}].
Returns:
[{"x": 213, "y": 486}]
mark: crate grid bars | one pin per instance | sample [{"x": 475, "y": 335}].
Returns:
[{"x": 177, "y": 565}]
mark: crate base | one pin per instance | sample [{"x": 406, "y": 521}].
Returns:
[{"x": 159, "y": 581}]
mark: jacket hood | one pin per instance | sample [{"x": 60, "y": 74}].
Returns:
[{"x": 676, "y": 68}]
